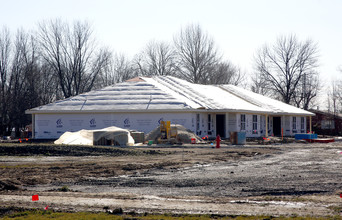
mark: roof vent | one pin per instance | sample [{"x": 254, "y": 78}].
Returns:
[{"x": 136, "y": 79}]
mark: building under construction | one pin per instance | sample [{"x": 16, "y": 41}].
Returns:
[{"x": 143, "y": 102}]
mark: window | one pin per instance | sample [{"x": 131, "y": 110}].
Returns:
[
  {"x": 294, "y": 124},
  {"x": 302, "y": 123},
  {"x": 209, "y": 122},
  {"x": 197, "y": 122},
  {"x": 255, "y": 124},
  {"x": 328, "y": 124},
  {"x": 243, "y": 122}
]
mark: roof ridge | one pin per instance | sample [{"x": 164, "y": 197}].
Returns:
[
  {"x": 161, "y": 80},
  {"x": 186, "y": 92},
  {"x": 239, "y": 96}
]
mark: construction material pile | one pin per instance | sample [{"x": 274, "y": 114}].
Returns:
[
  {"x": 107, "y": 136},
  {"x": 184, "y": 135}
]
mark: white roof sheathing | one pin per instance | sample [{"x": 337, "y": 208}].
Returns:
[
  {"x": 277, "y": 107},
  {"x": 122, "y": 96},
  {"x": 208, "y": 97},
  {"x": 163, "y": 93}
]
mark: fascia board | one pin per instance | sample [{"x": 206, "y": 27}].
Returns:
[
  {"x": 144, "y": 111},
  {"x": 114, "y": 111}
]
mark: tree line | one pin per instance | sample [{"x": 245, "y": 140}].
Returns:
[{"x": 58, "y": 60}]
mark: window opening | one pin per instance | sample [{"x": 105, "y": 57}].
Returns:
[
  {"x": 197, "y": 122},
  {"x": 294, "y": 124},
  {"x": 255, "y": 124},
  {"x": 302, "y": 123},
  {"x": 243, "y": 122},
  {"x": 209, "y": 122}
]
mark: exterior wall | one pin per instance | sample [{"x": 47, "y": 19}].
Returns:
[
  {"x": 263, "y": 125},
  {"x": 270, "y": 125},
  {"x": 326, "y": 123},
  {"x": 201, "y": 124},
  {"x": 232, "y": 123},
  {"x": 287, "y": 125},
  {"x": 250, "y": 132},
  {"x": 296, "y": 125},
  {"x": 210, "y": 127},
  {"x": 52, "y": 126},
  {"x": 216, "y": 124},
  {"x": 291, "y": 127},
  {"x": 227, "y": 125}
]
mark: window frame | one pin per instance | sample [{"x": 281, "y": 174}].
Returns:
[
  {"x": 243, "y": 122},
  {"x": 255, "y": 124},
  {"x": 209, "y": 122},
  {"x": 198, "y": 122},
  {"x": 302, "y": 124},
  {"x": 294, "y": 124}
]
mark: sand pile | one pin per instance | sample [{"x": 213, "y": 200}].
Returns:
[{"x": 184, "y": 135}]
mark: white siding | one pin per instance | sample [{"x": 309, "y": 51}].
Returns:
[
  {"x": 270, "y": 123},
  {"x": 233, "y": 122},
  {"x": 201, "y": 124},
  {"x": 249, "y": 125},
  {"x": 287, "y": 125},
  {"x": 262, "y": 125},
  {"x": 210, "y": 132},
  {"x": 54, "y": 125},
  {"x": 299, "y": 128}
]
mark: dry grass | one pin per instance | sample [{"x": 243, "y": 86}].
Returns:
[{"x": 38, "y": 214}]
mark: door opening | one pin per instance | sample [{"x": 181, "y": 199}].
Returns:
[
  {"x": 221, "y": 125},
  {"x": 277, "y": 126}
]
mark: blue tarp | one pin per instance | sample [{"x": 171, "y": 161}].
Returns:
[{"x": 305, "y": 136}]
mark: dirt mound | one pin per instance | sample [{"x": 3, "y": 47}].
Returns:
[
  {"x": 8, "y": 185},
  {"x": 184, "y": 135},
  {"x": 68, "y": 150}
]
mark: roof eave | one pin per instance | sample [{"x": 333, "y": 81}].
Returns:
[
  {"x": 31, "y": 111},
  {"x": 292, "y": 113},
  {"x": 111, "y": 111}
]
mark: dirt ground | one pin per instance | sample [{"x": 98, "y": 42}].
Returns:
[{"x": 294, "y": 179}]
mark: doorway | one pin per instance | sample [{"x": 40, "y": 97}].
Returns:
[
  {"x": 277, "y": 126},
  {"x": 221, "y": 125}
]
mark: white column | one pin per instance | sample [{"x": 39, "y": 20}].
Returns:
[
  {"x": 33, "y": 125},
  {"x": 283, "y": 123},
  {"x": 227, "y": 125},
  {"x": 266, "y": 134},
  {"x": 310, "y": 124}
]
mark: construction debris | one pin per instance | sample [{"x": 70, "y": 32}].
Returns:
[{"x": 178, "y": 134}]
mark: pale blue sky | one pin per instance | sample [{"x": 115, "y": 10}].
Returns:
[{"x": 239, "y": 27}]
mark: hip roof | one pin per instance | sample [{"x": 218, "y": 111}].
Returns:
[{"x": 166, "y": 93}]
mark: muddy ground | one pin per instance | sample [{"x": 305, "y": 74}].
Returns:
[{"x": 280, "y": 179}]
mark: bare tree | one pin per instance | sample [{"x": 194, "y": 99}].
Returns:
[
  {"x": 307, "y": 90},
  {"x": 226, "y": 73},
  {"x": 284, "y": 65},
  {"x": 260, "y": 85},
  {"x": 157, "y": 59},
  {"x": 5, "y": 50},
  {"x": 123, "y": 68},
  {"x": 65, "y": 62},
  {"x": 197, "y": 54},
  {"x": 73, "y": 55},
  {"x": 118, "y": 70},
  {"x": 48, "y": 84},
  {"x": 335, "y": 95},
  {"x": 334, "y": 99},
  {"x": 24, "y": 80}
]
